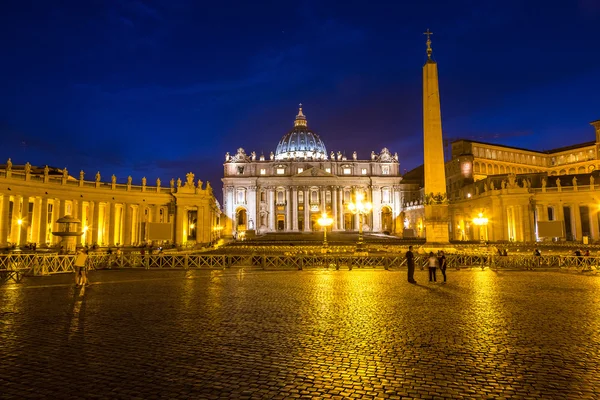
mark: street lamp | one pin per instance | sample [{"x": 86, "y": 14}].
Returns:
[
  {"x": 361, "y": 208},
  {"x": 481, "y": 222},
  {"x": 325, "y": 221}
]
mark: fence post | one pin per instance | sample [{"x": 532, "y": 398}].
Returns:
[
  {"x": 263, "y": 261},
  {"x": 186, "y": 262}
]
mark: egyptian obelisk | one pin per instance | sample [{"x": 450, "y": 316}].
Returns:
[{"x": 436, "y": 200}]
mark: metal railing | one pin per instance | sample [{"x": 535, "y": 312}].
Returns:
[{"x": 14, "y": 266}]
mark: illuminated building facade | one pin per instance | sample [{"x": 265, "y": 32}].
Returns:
[
  {"x": 290, "y": 189},
  {"x": 33, "y": 199},
  {"x": 503, "y": 193}
]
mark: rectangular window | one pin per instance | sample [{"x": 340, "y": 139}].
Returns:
[
  {"x": 300, "y": 170},
  {"x": 280, "y": 171},
  {"x": 328, "y": 170},
  {"x": 263, "y": 171},
  {"x": 584, "y": 214},
  {"x": 385, "y": 169},
  {"x": 347, "y": 171},
  {"x": 363, "y": 171}
]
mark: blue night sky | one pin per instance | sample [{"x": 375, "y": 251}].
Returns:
[{"x": 160, "y": 88}]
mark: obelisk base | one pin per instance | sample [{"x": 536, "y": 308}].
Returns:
[{"x": 436, "y": 224}]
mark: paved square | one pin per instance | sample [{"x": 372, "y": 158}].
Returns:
[{"x": 301, "y": 334}]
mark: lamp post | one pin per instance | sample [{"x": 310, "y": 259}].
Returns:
[
  {"x": 362, "y": 208},
  {"x": 481, "y": 222},
  {"x": 325, "y": 221}
]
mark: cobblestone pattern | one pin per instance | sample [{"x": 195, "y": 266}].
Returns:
[{"x": 301, "y": 334}]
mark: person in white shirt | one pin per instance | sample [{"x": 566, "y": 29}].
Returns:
[{"x": 433, "y": 263}]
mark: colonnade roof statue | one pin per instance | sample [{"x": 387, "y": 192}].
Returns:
[{"x": 301, "y": 142}]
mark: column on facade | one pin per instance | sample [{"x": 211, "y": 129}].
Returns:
[
  {"x": 127, "y": 228},
  {"x": 35, "y": 220},
  {"x": 356, "y": 216},
  {"x": 252, "y": 208},
  {"x": 334, "y": 208},
  {"x": 397, "y": 210},
  {"x": 271, "y": 204},
  {"x": 288, "y": 209},
  {"x": 306, "y": 210},
  {"x": 577, "y": 232},
  {"x": 323, "y": 197},
  {"x": 341, "y": 210},
  {"x": 4, "y": 222},
  {"x": 594, "y": 228},
  {"x": 295, "y": 208},
  {"x": 377, "y": 209}
]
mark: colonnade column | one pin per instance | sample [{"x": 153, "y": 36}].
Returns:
[
  {"x": 334, "y": 208},
  {"x": 16, "y": 215},
  {"x": 306, "y": 210},
  {"x": 4, "y": 222},
  {"x": 179, "y": 225},
  {"x": 35, "y": 219},
  {"x": 323, "y": 198},
  {"x": 111, "y": 224},
  {"x": 295, "y": 208},
  {"x": 95, "y": 222},
  {"x": 288, "y": 210},
  {"x": 127, "y": 229}
]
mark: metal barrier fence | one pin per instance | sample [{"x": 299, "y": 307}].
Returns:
[{"x": 15, "y": 266}]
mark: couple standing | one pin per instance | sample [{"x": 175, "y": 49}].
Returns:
[{"x": 434, "y": 262}]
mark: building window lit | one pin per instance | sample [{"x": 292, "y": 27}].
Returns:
[
  {"x": 263, "y": 171},
  {"x": 363, "y": 171},
  {"x": 280, "y": 171},
  {"x": 300, "y": 170},
  {"x": 347, "y": 171},
  {"x": 328, "y": 170}
]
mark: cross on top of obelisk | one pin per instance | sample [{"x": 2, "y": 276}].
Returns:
[{"x": 429, "y": 51}]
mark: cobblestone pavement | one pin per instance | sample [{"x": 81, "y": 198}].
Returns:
[{"x": 301, "y": 334}]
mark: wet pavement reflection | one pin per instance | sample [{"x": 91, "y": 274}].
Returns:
[{"x": 312, "y": 334}]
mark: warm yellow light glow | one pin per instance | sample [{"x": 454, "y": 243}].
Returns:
[
  {"x": 85, "y": 229},
  {"x": 19, "y": 221},
  {"x": 192, "y": 226},
  {"x": 480, "y": 220},
  {"x": 325, "y": 221}
]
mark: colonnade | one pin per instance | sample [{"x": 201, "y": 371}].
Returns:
[{"x": 32, "y": 219}]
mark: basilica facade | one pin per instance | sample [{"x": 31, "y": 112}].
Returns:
[{"x": 291, "y": 188}]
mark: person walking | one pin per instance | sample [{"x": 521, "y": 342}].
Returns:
[
  {"x": 80, "y": 268},
  {"x": 433, "y": 261},
  {"x": 442, "y": 264},
  {"x": 410, "y": 263}
]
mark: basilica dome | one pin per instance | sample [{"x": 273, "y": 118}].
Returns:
[{"x": 301, "y": 143}]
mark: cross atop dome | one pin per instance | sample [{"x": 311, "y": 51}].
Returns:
[{"x": 300, "y": 118}]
